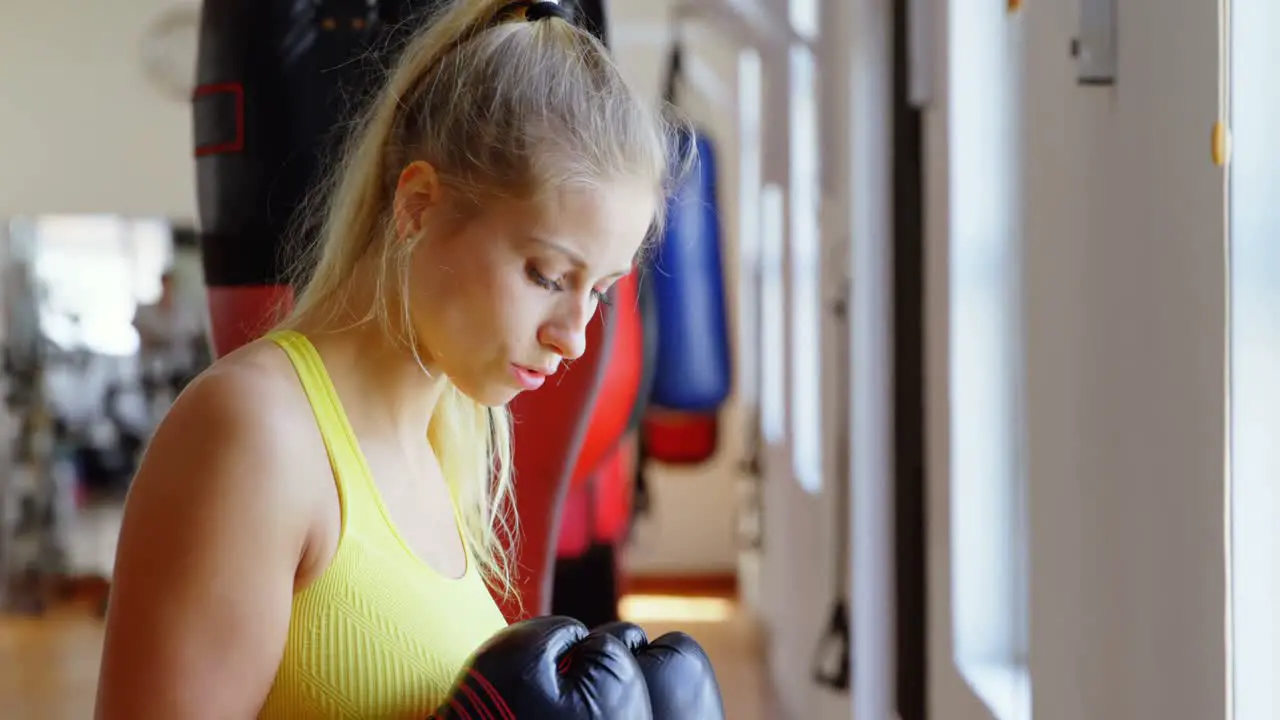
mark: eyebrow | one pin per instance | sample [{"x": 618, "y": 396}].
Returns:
[{"x": 573, "y": 255}]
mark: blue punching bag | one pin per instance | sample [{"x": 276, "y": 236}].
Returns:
[
  {"x": 693, "y": 371},
  {"x": 692, "y": 374}
]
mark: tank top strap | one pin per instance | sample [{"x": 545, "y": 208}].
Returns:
[
  {"x": 357, "y": 492},
  {"x": 350, "y": 472}
]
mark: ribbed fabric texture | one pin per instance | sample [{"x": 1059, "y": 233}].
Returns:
[{"x": 380, "y": 634}]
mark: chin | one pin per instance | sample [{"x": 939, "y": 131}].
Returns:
[
  {"x": 487, "y": 394},
  {"x": 498, "y": 399}
]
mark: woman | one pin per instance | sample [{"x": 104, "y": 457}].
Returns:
[{"x": 314, "y": 529}]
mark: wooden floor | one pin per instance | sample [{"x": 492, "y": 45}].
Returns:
[{"x": 48, "y": 666}]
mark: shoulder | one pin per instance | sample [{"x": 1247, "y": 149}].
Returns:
[
  {"x": 252, "y": 396},
  {"x": 214, "y": 533},
  {"x": 242, "y": 428},
  {"x": 257, "y": 377}
]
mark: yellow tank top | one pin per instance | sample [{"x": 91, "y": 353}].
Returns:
[{"x": 379, "y": 634}]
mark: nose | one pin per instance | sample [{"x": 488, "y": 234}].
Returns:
[
  {"x": 566, "y": 335},
  {"x": 569, "y": 342}
]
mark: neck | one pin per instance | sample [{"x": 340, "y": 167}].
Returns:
[{"x": 383, "y": 386}]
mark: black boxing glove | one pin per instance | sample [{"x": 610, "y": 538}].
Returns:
[
  {"x": 549, "y": 668},
  {"x": 682, "y": 684}
]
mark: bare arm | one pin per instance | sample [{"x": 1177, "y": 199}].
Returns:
[{"x": 214, "y": 529}]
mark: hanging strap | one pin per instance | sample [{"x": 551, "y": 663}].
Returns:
[
  {"x": 675, "y": 66},
  {"x": 832, "y": 667},
  {"x": 642, "y": 499}
]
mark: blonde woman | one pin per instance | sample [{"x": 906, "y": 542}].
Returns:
[{"x": 314, "y": 531}]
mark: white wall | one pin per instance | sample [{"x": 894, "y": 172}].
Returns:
[
  {"x": 81, "y": 130},
  {"x": 1123, "y": 275},
  {"x": 799, "y": 583}
]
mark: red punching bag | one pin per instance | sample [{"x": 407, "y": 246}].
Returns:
[
  {"x": 550, "y": 430},
  {"x": 612, "y": 407},
  {"x": 598, "y": 503},
  {"x": 548, "y": 427}
]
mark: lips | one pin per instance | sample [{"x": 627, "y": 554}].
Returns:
[{"x": 528, "y": 378}]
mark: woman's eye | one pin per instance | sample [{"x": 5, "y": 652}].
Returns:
[
  {"x": 546, "y": 283},
  {"x": 541, "y": 280}
]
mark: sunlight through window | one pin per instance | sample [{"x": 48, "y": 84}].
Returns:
[
  {"x": 806, "y": 273},
  {"x": 1255, "y": 357},
  {"x": 988, "y": 528},
  {"x": 773, "y": 361}
]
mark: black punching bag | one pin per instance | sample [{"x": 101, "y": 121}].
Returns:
[{"x": 276, "y": 79}]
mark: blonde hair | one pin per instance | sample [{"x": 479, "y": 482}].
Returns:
[{"x": 502, "y": 107}]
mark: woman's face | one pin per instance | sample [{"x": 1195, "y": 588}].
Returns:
[{"x": 502, "y": 301}]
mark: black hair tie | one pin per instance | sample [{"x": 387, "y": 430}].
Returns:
[
  {"x": 545, "y": 9},
  {"x": 531, "y": 11}
]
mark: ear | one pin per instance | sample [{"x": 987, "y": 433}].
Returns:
[{"x": 417, "y": 191}]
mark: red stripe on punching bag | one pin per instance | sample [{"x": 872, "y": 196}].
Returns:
[
  {"x": 680, "y": 438},
  {"x": 219, "y": 108},
  {"x": 239, "y": 315}
]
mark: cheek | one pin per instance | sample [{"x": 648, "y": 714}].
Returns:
[
  {"x": 478, "y": 302},
  {"x": 515, "y": 305}
]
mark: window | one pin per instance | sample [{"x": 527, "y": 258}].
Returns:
[
  {"x": 750, "y": 178},
  {"x": 806, "y": 274},
  {"x": 1254, "y": 223},
  {"x": 803, "y": 15},
  {"x": 773, "y": 361},
  {"x": 989, "y": 538},
  {"x": 94, "y": 270}
]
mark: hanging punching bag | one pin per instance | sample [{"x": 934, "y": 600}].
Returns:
[
  {"x": 550, "y": 430},
  {"x": 273, "y": 81},
  {"x": 693, "y": 369},
  {"x": 597, "y": 508},
  {"x": 612, "y": 408},
  {"x": 584, "y": 518},
  {"x": 693, "y": 376}
]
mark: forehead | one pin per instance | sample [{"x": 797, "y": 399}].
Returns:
[{"x": 604, "y": 224}]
